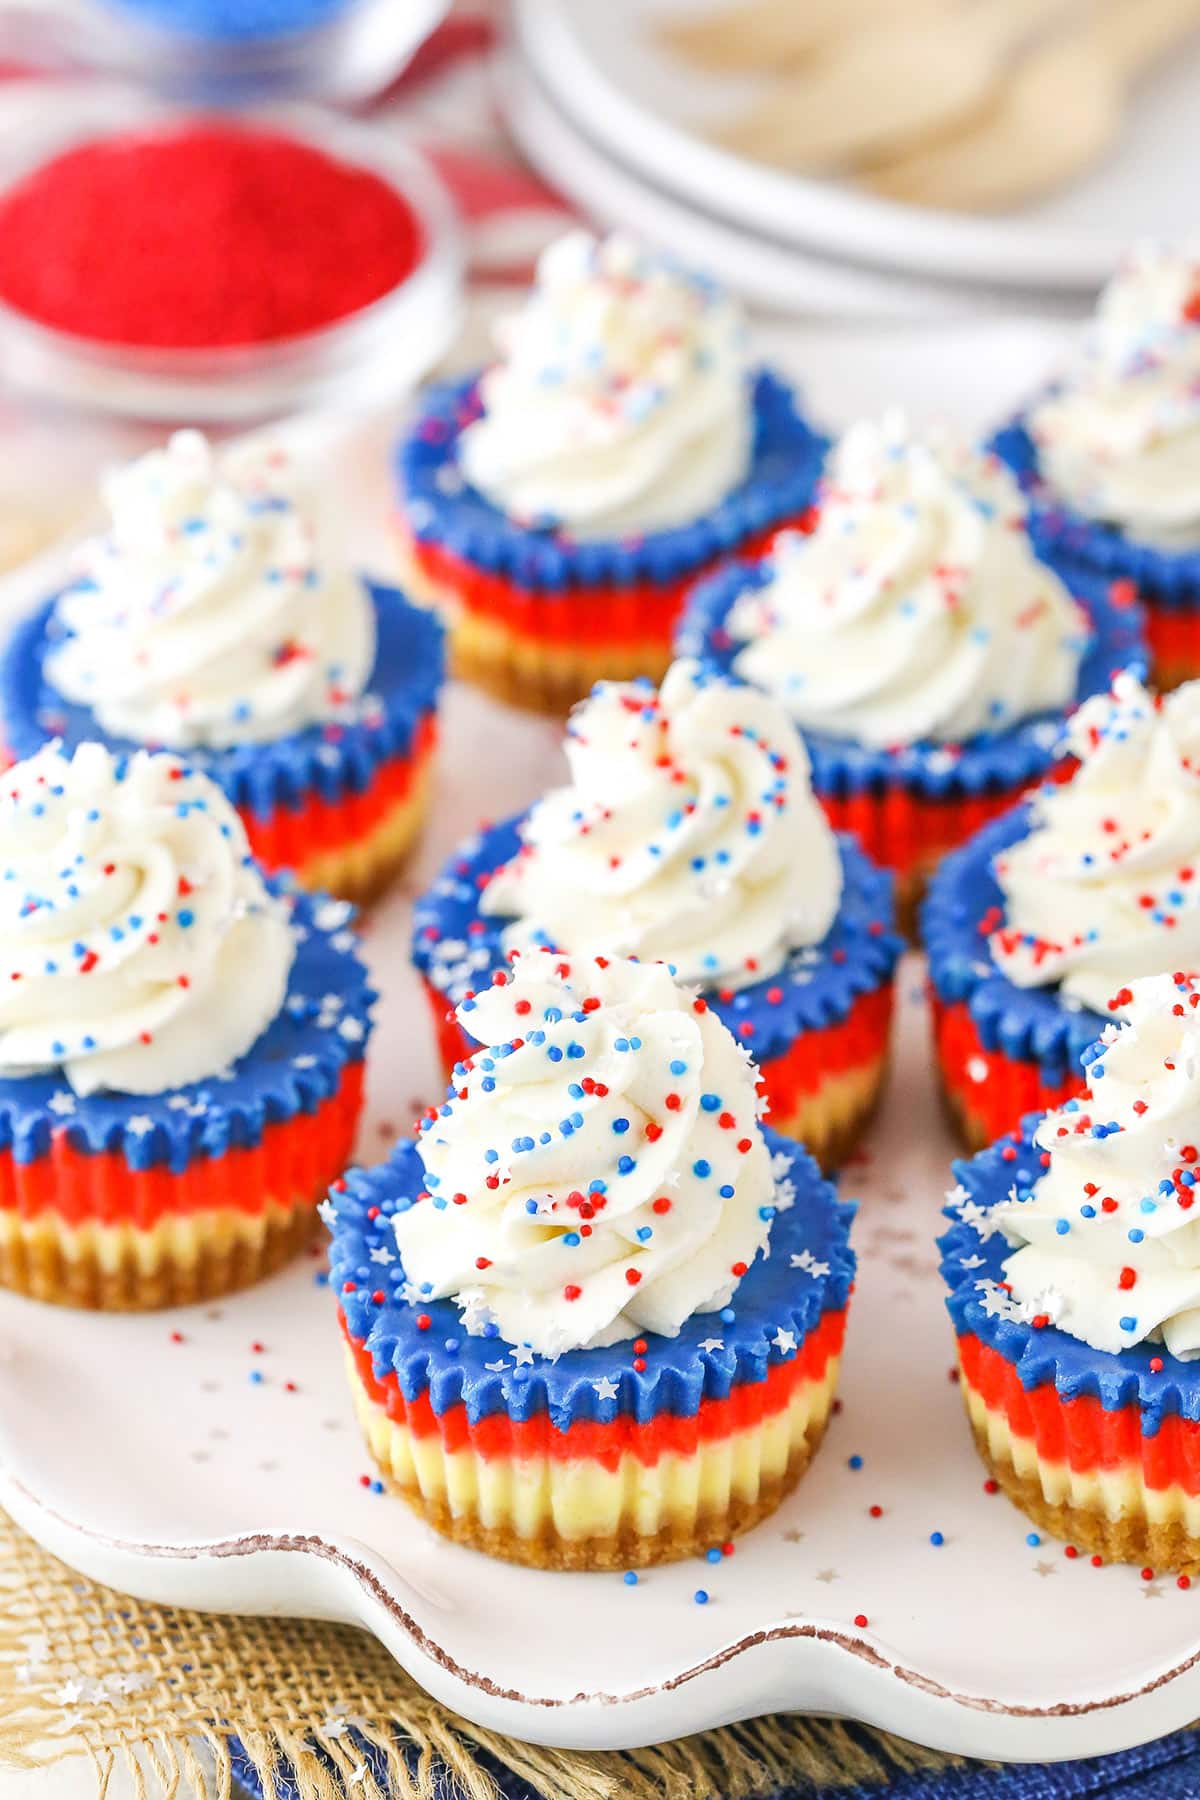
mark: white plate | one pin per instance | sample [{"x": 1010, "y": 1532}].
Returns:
[
  {"x": 162, "y": 1468},
  {"x": 765, "y": 271},
  {"x": 603, "y": 67}
]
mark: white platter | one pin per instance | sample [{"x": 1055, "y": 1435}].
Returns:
[
  {"x": 763, "y": 270},
  {"x": 603, "y": 68},
  {"x": 161, "y": 1465}
]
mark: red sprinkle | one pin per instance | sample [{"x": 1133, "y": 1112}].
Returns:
[{"x": 201, "y": 234}]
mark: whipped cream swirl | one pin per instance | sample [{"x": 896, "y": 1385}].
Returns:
[
  {"x": 598, "y": 1169},
  {"x": 209, "y": 614},
  {"x": 139, "y": 949},
  {"x": 621, "y": 403},
  {"x": 1106, "y": 886},
  {"x": 916, "y": 609},
  {"x": 1109, "y": 1237},
  {"x": 1119, "y": 439},
  {"x": 689, "y": 834}
]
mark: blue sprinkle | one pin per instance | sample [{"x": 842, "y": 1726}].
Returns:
[
  {"x": 713, "y": 1555},
  {"x": 677, "y": 1067},
  {"x": 854, "y": 1462},
  {"x": 255, "y": 1377},
  {"x": 701, "y": 1168},
  {"x": 710, "y": 1102},
  {"x": 936, "y": 1539},
  {"x": 700, "y": 1597},
  {"x": 620, "y": 1126},
  {"x": 630, "y": 1578},
  {"x": 1033, "y": 1539}
]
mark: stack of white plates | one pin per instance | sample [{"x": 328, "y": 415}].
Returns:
[{"x": 618, "y": 124}]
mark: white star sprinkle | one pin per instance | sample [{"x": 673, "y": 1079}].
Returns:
[
  {"x": 784, "y": 1341},
  {"x": 713, "y": 1344},
  {"x": 522, "y": 1356},
  {"x": 606, "y": 1388},
  {"x": 381, "y": 1254},
  {"x": 61, "y": 1103}
]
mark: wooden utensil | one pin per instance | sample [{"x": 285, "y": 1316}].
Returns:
[
  {"x": 878, "y": 90},
  {"x": 765, "y": 36},
  {"x": 1058, "y": 111}
]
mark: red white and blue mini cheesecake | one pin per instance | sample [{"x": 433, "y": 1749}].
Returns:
[
  {"x": 1074, "y": 1274},
  {"x": 1035, "y": 928},
  {"x": 211, "y": 621},
  {"x": 181, "y": 1045},
  {"x": 925, "y": 652},
  {"x": 1110, "y": 456},
  {"x": 689, "y": 833},
  {"x": 593, "y": 1313},
  {"x": 560, "y": 503}
]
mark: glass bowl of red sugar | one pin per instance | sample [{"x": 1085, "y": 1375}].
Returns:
[{"x": 214, "y": 267}]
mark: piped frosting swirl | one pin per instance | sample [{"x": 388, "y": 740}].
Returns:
[
  {"x": 210, "y": 614},
  {"x": 621, "y": 403},
  {"x": 139, "y": 949},
  {"x": 597, "y": 1169},
  {"x": 1119, "y": 437},
  {"x": 1106, "y": 886},
  {"x": 916, "y": 609},
  {"x": 1107, "y": 1242},
  {"x": 689, "y": 833}
]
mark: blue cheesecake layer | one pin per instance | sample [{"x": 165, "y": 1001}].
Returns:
[
  {"x": 331, "y": 760},
  {"x": 1047, "y": 1354},
  {"x": 295, "y": 1066},
  {"x": 1026, "y": 1024},
  {"x": 440, "y": 507},
  {"x": 234, "y": 21},
  {"x": 452, "y": 1368},
  {"x": 457, "y": 948},
  {"x": 1072, "y": 542},
  {"x": 987, "y": 764}
]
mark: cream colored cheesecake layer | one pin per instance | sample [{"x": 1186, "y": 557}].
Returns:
[
  {"x": 576, "y": 1499},
  {"x": 1110, "y": 1493}
]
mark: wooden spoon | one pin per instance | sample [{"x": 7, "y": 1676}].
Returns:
[
  {"x": 1060, "y": 109},
  {"x": 765, "y": 36},
  {"x": 878, "y": 90}
]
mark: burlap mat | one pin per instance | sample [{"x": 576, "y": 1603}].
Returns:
[{"x": 86, "y": 1671}]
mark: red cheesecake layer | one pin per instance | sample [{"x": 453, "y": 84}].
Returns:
[
  {"x": 911, "y": 832},
  {"x": 295, "y": 1159},
  {"x": 990, "y": 1091},
  {"x": 1173, "y": 639},
  {"x": 1080, "y": 1433},
  {"x": 499, "y": 1436},
  {"x": 640, "y": 612},
  {"x": 855, "y": 1042},
  {"x": 289, "y": 837}
]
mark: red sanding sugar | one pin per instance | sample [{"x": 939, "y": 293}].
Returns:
[{"x": 203, "y": 234}]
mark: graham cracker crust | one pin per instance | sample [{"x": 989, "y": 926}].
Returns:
[
  {"x": 967, "y": 1128},
  {"x": 362, "y": 872},
  {"x": 1132, "y": 1538},
  {"x": 831, "y": 1140},
  {"x": 537, "y": 676},
  {"x": 137, "y": 1271},
  {"x": 545, "y": 678},
  {"x": 625, "y": 1549}
]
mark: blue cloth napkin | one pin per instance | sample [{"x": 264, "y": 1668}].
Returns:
[{"x": 1168, "y": 1769}]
